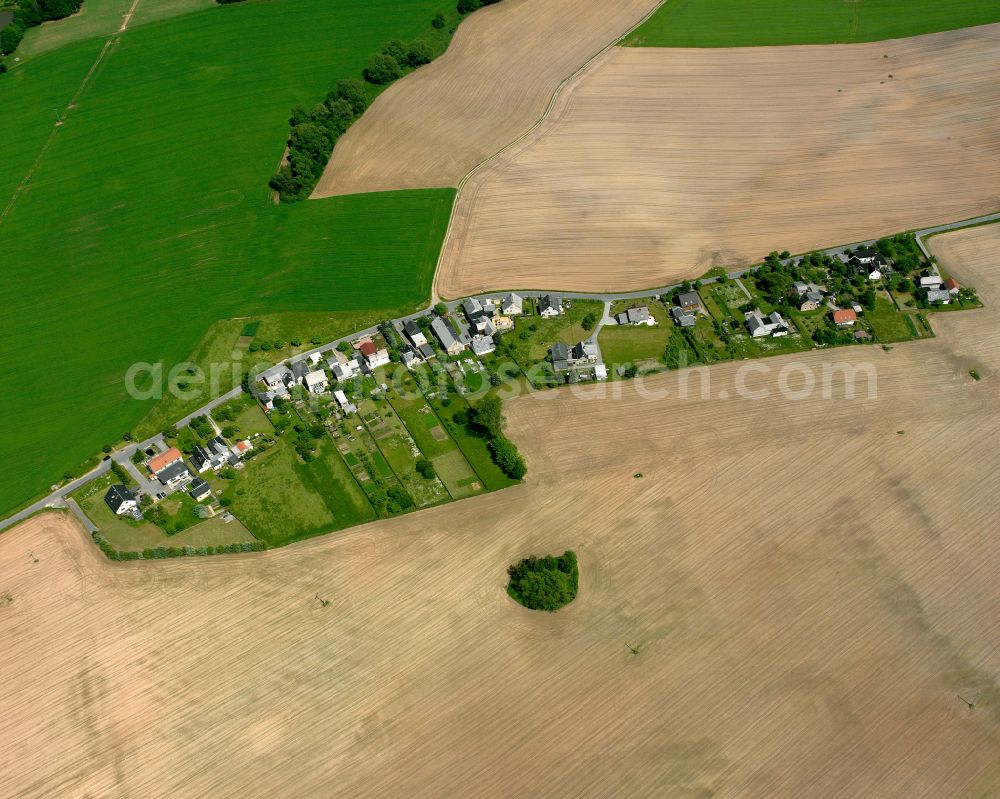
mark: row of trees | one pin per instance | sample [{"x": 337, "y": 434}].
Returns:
[
  {"x": 157, "y": 553},
  {"x": 315, "y": 131},
  {"x": 313, "y": 134},
  {"x": 31, "y": 13},
  {"x": 487, "y": 417}
]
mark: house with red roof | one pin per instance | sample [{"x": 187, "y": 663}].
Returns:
[
  {"x": 164, "y": 459},
  {"x": 951, "y": 286},
  {"x": 844, "y": 317}
]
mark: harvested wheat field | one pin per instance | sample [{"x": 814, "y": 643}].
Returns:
[
  {"x": 494, "y": 82},
  {"x": 657, "y": 164},
  {"x": 811, "y": 585}
]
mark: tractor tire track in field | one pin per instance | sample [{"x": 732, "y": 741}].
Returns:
[{"x": 108, "y": 45}]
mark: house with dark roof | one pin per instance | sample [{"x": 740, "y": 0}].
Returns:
[
  {"x": 682, "y": 318},
  {"x": 690, "y": 302},
  {"x": 635, "y": 316},
  {"x": 121, "y": 500},
  {"x": 512, "y": 305},
  {"x": 446, "y": 336},
  {"x": 199, "y": 489},
  {"x": 174, "y": 475},
  {"x": 585, "y": 352},
  {"x": 773, "y": 324},
  {"x": 473, "y": 308},
  {"x": 299, "y": 371},
  {"x": 550, "y": 305},
  {"x": 560, "y": 356},
  {"x": 413, "y": 332}
]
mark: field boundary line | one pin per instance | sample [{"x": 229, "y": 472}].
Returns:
[
  {"x": 535, "y": 126},
  {"x": 112, "y": 40}
]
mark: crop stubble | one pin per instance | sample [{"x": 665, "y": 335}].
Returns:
[{"x": 657, "y": 164}]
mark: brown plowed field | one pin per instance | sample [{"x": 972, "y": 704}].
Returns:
[
  {"x": 811, "y": 584},
  {"x": 657, "y": 164},
  {"x": 494, "y": 82}
]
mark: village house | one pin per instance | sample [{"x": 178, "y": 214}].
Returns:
[
  {"x": 635, "y": 316},
  {"x": 560, "y": 356},
  {"x": 810, "y": 301},
  {"x": 175, "y": 475},
  {"x": 242, "y": 447},
  {"x": 772, "y": 325},
  {"x": 930, "y": 279},
  {"x": 446, "y": 336},
  {"x": 314, "y": 358},
  {"x": 121, "y": 500},
  {"x": 483, "y": 326},
  {"x": 316, "y": 382},
  {"x": 869, "y": 263},
  {"x": 473, "y": 308},
  {"x": 345, "y": 405},
  {"x": 952, "y": 286},
  {"x": 277, "y": 378},
  {"x": 164, "y": 459},
  {"x": 550, "y": 305},
  {"x": 681, "y": 318},
  {"x": 413, "y": 332},
  {"x": 199, "y": 489},
  {"x": 343, "y": 368},
  {"x": 299, "y": 371},
  {"x": 483, "y": 345},
  {"x": 690, "y": 302},
  {"x": 512, "y": 305},
  {"x": 845, "y": 317},
  {"x": 374, "y": 357},
  {"x": 585, "y": 352},
  {"x": 939, "y": 296}
]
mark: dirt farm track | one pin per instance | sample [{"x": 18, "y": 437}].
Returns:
[
  {"x": 811, "y": 583},
  {"x": 657, "y": 164}
]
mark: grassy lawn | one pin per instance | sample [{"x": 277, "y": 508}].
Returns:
[
  {"x": 888, "y": 323},
  {"x": 282, "y": 500},
  {"x": 400, "y": 451},
  {"x": 744, "y": 23},
  {"x": 130, "y": 536},
  {"x": 532, "y": 336},
  {"x": 456, "y": 474},
  {"x": 447, "y": 405},
  {"x": 150, "y": 252},
  {"x": 624, "y": 344}
]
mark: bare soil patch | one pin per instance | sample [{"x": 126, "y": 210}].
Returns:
[
  {"x": 496, "y": 79},
  {"x": 813, "y": 597},
  {"x": 657, "y": 164}
]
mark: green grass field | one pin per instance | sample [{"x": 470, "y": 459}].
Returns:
[
  {"x": 282, "y": 500},
  {"x": 149, "y": 218},
  {"x": 747, "y": 23},
  {"x": 888, "y": 323}
]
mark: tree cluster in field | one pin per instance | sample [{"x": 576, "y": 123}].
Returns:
[
  {"x": 487, "y": 417},
  {"x": 547, "y": 583},
  {"x": 157, "y": 553},
  {"x": 30, "y": 13}
]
